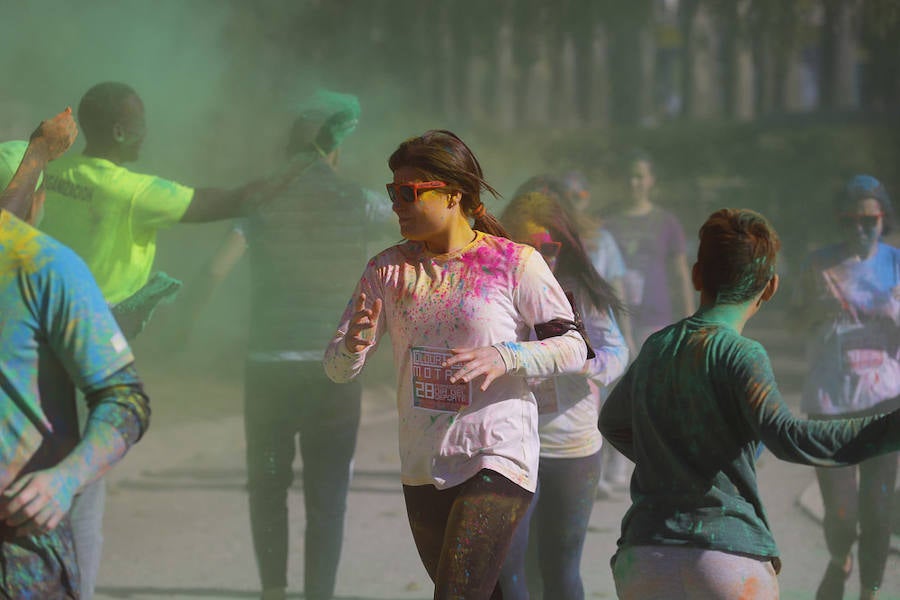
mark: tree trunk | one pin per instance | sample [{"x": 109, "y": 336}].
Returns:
[
  {"x": 688, "y": 9},
  {"x": 785, "y": 45},
  {"x": 881, "y": 39},
  {"x": 828, "y": 72},
  {"x": 745, "y": 83},
  {"x": 846, "y": 80},
  {"x": 730, "y": 69},
  {"x": 600, "y": 84},
  {"x": 500, "y": 86},
  {"x": 647, "y": 99},
  {"x": 583, "y": 31},
  {"x": 701, "y": 47}
]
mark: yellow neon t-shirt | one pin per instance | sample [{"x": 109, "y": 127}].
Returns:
[{"x": 109, "y": 216}]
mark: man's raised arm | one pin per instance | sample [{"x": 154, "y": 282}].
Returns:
[{"x": 48, "y": 142}]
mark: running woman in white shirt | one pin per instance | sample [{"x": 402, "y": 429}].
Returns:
[{"x": 459, "y": 303}]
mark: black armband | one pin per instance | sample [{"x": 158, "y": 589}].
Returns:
[
  {"x": 557, "y": 327},
  {"x": 120, "y": 401}
]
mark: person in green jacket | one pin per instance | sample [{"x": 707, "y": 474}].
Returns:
[{"x": 692, "y": 412}]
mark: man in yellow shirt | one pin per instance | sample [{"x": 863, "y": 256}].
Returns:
[{"x": 110, "y": 215}]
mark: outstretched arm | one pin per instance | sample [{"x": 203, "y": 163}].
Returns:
[
  {"x": 48, "y": 142},
  {"x": 211, "y": 204},
  {"x": 821, "y": 443},
  {"x": 215, "y": 204}
]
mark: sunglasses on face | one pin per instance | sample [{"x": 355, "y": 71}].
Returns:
[
  {"x": 864, "y": 221},
  {"x": 409, "y": 192}
]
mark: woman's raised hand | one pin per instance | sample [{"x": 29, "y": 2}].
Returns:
[{"x": 360, "y": 333}]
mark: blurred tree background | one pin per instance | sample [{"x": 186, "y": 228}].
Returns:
[
  {"x": 766, "y": 104},
  {"x": 760, "y": 103}
]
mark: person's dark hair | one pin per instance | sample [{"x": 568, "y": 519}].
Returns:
[
  {"x": 100, "y": 107},
  {"x": 544, "y": 210},
  {"x": 638, "y": 155},
  {"x": 860, "y": 187},
  {"x": 737, "y": 255},
  {"x": 440, "y": 155},
  {"x": 544, "y": 184}
]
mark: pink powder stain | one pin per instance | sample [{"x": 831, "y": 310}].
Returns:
[
  {"x": 428, "y": 289},
  {"x": 488, "y": 267}
]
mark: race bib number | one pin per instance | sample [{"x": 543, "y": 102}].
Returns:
[{"x": 431, "y": 387}]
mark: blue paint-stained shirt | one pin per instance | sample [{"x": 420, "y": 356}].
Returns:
[
  {"x": 691, "y": 412},
  {"x": 854, "y": 352},
  {"x": 55, "y": 331}
]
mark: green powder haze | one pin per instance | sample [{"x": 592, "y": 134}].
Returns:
[{"x": 220, "y": 80}]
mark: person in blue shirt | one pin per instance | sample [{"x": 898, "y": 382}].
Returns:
[
  {"x": 848, "y": 305},
  {"x": 56, "y": 333}
]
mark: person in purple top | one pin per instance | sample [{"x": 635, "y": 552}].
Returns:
[
  {"x": 652, "y": 243},
  {"x": 848, "y": 303}
]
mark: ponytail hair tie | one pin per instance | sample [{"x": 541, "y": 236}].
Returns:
[{"x": 478, "y": 211}]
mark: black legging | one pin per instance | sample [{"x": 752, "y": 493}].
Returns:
[
  {"x": 869, "y": 505},
  {"x": 462, "y": 533},
  {"x": 282, "y": 400}
]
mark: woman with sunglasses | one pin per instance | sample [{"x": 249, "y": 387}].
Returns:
[
  {"x": 848, "y": 304},
  {"x": 568, "y": 407},
  {"x": 459, "y": 302}
]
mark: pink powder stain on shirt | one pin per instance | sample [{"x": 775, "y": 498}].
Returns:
[
  {"x": 435, "y": 296},
  {"x": 488, "y": 267}
]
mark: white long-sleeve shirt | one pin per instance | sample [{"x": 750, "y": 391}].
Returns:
[
  {"x": 568, "y": 405},
  {"x": 490, "y": 293}
]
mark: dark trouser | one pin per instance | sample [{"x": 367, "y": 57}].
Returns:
[
  {"x": 561, "y": 512},
  {"x": 462, "y": 533},
  {"x": 283, "y": 399},
  {"x": 867, "y": 504}
]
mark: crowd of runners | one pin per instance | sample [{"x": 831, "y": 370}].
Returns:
[{"x": 545, "y": 358}]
